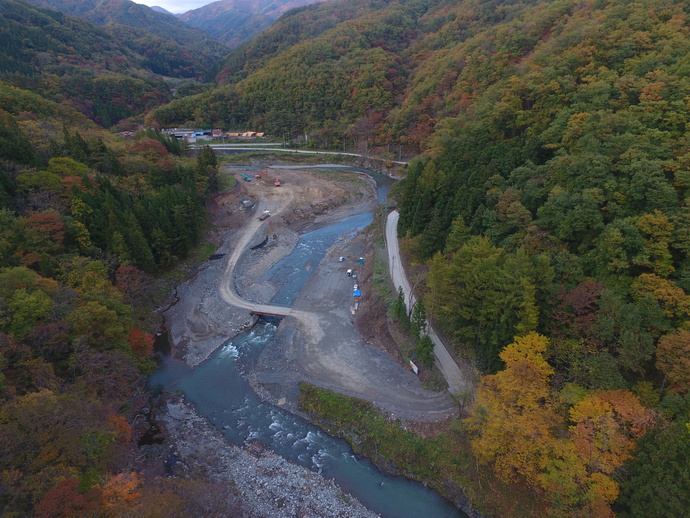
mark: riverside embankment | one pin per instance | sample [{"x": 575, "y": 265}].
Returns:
[{"x": 201, "y": 327}]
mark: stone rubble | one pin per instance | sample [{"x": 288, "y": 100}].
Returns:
[{"x": 269, "y": 486}]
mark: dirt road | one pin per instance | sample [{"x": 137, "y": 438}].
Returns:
[
  {"x": 275, "y": 202},
  {"x": 318, "y": 342}
]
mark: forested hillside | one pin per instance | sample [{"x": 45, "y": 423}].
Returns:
[
  {"x": 547, "y": 212},
  {"x": 108, "y": 74},
  {"x": 142, "y": 23},
  {"x": 326, "y": 70},
  {"x": 549, "y": 204},
  {"x": 85, "y": 219},
  {"x": 553, "y": 200},
  {"x": 352, "y": 71},
  {"x": 236, "y": 21}
]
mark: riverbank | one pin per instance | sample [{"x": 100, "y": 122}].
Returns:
[
  {"x": 264, "y": 484},
  {"x": 200, "y": 322}
]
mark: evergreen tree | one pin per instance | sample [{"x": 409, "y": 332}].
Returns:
[
  {"x": 425, "y": 351},
  {"x": 418, "y": 320},
  {"x": 105, "y": 160},
  {"x": 7, "y": 190},
  {"x": 400, "y": 309},
  {"x": 141, "y": 252},
  {"x": 13, "y": 144},
  {"x": 207, "y": 168},
  {"x": 160, "y": 246}
]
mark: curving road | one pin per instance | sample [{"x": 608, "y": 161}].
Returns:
[
  {"x": 275, "y": 205},
  {"x": 328, "y": 350},
  {"x": 250, "y": 147},
  {"x": 460, "y": 381}
]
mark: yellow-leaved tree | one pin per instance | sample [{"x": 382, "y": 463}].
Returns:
[
  {"x": 519, "y": 426},
  {"x": 514, "y": 415}
]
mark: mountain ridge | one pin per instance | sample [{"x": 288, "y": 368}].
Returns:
[
  {"x": 236, "y": 21},
  {"x": 108, "y": 72},
  {"x": 130, "y": 14}
]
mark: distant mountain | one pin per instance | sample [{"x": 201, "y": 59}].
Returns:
[
  {"x": 161, "y": 10},
  {"x": 130, "y": 14},
  {"x": 235, "y": 21}
]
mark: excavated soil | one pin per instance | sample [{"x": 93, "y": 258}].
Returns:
[{"x": 200, "y": 322}]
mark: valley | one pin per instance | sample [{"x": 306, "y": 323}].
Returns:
[
  {"x": 304, "y": 345},
  {"x": 543, "y": 222}
]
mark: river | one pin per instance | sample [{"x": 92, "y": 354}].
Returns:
[{"x": 221, "y": 394}]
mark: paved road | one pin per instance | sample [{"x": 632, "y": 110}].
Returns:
[
  {"x": 240, "y": 147},
  {"x": 460, "y": 380}
]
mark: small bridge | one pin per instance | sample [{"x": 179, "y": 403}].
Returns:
[{"x": 270, "y": 311}]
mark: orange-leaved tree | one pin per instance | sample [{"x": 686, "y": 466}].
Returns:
[
  {"x": 121, "y": 494},
  {"x": 66, "y": 501},
  {"x": 606, "y": 426},
  {"x": 141, "y": 342},
  {"x": 519, "y": 427}
]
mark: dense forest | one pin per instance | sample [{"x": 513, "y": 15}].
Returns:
[
  {"x": 125, "y": 20},
  {"x": 547, "y": 210},
  {"x": 552, "y": 207},
  {"x": 108, "y": 73},
  {"x": 85, "y": 220}
]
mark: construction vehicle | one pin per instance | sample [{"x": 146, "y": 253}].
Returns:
[
  {"x": 259, "y": 174},
  {"x": 245, "y": 177},
  {"x": 277, "y": 183},
  {"x": 265, "y": 215}
]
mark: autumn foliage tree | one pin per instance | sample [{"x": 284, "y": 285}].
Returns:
[
  {"x": 66, "y": 501},
  {"x": 121, "y": 493},
  {"x": 673, "y": 359},
  {"x": 141, "y": 342},
  {"x": 606, "y": 427},
  {"x": 518, "y": 426},
  {"x": 514, "y": 416}
]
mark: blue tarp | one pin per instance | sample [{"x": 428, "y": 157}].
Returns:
[{"x": 357, "y": 293}]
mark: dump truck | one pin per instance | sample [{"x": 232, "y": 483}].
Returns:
[{"x": 265, "y": 215}]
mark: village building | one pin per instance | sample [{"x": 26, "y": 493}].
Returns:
[{"x": 198, "y": 135}]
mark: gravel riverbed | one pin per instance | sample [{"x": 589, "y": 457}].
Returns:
[
  {"x": 261, "y": 482},
  {"x": 268, "y": 486}
]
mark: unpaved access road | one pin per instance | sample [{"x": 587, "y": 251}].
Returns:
[
  {"x": 274, "y": 202},
  {"x": 318, "y": 342}
]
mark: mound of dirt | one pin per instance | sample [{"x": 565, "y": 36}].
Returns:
[{"x": 372, "y": 318}]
